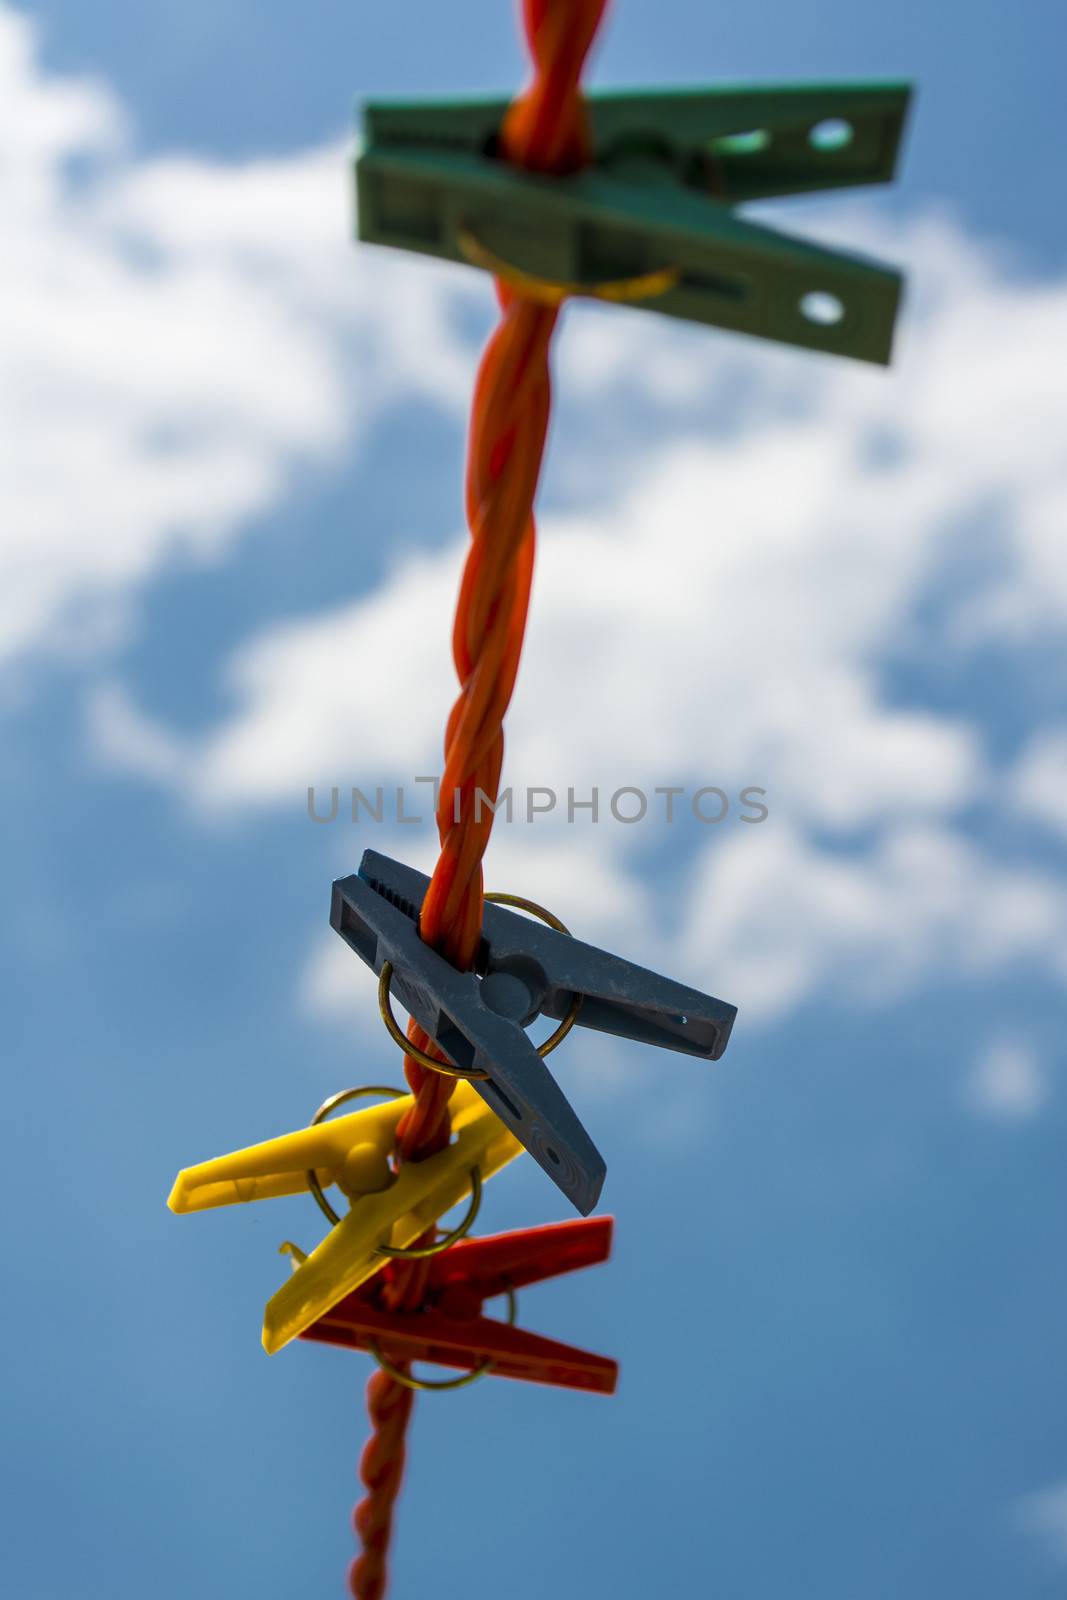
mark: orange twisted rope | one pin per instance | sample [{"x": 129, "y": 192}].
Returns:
[
  {"x": 545, "y": 130},
  {"x": 381, "y": 1468}
]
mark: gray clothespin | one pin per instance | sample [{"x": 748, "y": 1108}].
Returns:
[{"x": 522, "y": 971}]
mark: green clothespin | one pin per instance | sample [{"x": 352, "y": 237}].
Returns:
[{"x": 652, "y": 219}]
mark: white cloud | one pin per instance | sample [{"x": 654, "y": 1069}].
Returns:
[
  {"x": 1043, "y": 1515},
  {"x": 743, "y": 598},
  {"x": 175, "y": 336},
  {"x": 741, "y": 601},
  {"x": 1007, "y": 1083},
  {"x": 725, "y": 600},
  {"x": 777, "y": 917},
  {"x": 1040, "y": 779},
  {"x": 125, "y": 739},
  {"x": 695, "y": 580},
  {"x": 300, "y": 708},
  {"x": 332, "y": 985}
]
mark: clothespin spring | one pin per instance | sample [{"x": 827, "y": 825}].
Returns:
[
  {"x": 544, "y": 292},
  {"x": 413, "y": 1252},
  {"x": 431, "y": 1385},
  {"x": 445, "y": 1068},
  {"x": 342, "y": 1097},
  {"x": 421, "y": 1252}
]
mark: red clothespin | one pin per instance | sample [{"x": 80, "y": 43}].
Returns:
[{"x": 449, "y": 1328}]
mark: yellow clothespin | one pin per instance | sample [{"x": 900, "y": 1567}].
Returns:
[
  {"x": 351, "y": 1151},
  {"x": 390, "y": 1210}
]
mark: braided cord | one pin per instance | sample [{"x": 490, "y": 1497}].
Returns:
[{"x": 545, "y": 130}]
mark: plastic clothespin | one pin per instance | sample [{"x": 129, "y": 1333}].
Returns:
[
  {"x": 390, "y": 1209},
  {"x": 449, "y": 1328},
  {"x": 352, "y": 1151},
  {"x": 523, "y": 971},
  {"x": 651, "y": 219}
]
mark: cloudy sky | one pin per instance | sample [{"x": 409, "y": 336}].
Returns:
[{"x": 230, "y": 542}]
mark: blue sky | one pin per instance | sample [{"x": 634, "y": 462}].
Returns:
[{"x": 232, "y": 537}]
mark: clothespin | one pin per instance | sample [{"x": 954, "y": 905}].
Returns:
[
  {"x": 523, "y": 971},
  {"x": 389, "y": 1209},
  {"x": 652, "y": 219},
  {"x": 449, "y": 1328}
]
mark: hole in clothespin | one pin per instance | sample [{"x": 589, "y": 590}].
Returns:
[
  {"x": 498, "y": 1091},
  {"x": 455, "y": 1044},
  {"x": 742, "y": 144},
  {"x": 818, "y": 306},
  {"x": 833, "y": 133}
]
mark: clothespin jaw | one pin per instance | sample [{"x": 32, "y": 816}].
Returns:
[
  {"x": 390, "y": 1211},
  {"x": 352, "y": 1151},
  {"x": 523, "y": 970},
  {"x": 503, "y": 1261},
  {"x": 449, "y": 1328},
  {"x": 652, "y": 213}
]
